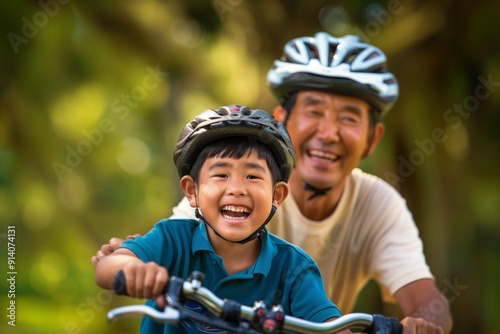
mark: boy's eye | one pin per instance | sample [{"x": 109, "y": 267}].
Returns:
[{"x": 252, "y": 177}]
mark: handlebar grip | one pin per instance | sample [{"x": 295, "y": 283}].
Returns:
[
  {"x": 120, "y": 284},
  {"x": 383, "y": 325}
]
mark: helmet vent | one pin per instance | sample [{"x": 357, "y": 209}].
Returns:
[
  {"x": 312, "y": 50},
  {"x": 246, "y": 111},
  {"x": 194, "y": 124},
  {"x": 332, "y": 49},
  {"x": 372, "y": 55},
  {"x": 349, "y": 58},
  {"x": 222, "y": 111},
  {"x": 287, "y": 59}
]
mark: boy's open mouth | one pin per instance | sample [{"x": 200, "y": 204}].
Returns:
[{"x": 235, "y": 212}]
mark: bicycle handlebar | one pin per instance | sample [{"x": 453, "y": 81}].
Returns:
[{"x": 255, "y": 319}]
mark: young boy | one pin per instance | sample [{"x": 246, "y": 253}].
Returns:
[{"x": 234, "y": 164}]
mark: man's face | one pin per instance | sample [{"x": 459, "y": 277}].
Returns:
[{"x": 330, "y": 134}]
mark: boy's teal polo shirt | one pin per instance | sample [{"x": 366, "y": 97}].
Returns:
[{"x": 283, "y": 274}]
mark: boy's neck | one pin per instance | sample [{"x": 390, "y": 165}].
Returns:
[{"x": 236, "y": 257}]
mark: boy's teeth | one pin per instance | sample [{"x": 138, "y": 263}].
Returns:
[
  {"x": 235, "y": 209},
  {"x": 232, "y": 212}
]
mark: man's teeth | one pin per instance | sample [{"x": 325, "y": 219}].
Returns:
[{"x": 323, "y": 155}]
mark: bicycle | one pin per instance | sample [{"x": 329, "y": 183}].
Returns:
[{"x": 233, "y": 317}]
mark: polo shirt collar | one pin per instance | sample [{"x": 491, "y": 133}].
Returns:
[
  {"x": 267, "y": 254},
  {"x": 263, "y": 264},
  {"x": 200, "y": 240}
]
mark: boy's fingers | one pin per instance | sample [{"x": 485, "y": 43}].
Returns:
[
  {"x": 149, "y": 283},
  {"x": 130, "y": 271},
  {"x": 161, "y": 301},
  {"x": 160, "y": 281},
  {"x": 134, "y": 236}
]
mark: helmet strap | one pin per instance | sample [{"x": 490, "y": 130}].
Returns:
[
  {"x": 288, "y": 103},
  {"x": 251, "y": 237},
  {"x": 317, "y": 191}
]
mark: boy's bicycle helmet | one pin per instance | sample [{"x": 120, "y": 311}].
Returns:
[
  {"x": 231, "y": 121},
  {"x": 344, "y": 65}
]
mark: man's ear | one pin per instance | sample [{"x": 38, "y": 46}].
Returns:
[
  {"x": 281, "y": 191},
  {"x": 280, "y": 114},
  {"x": 378, "y": 133},
  {"x": 189, "y": 188}
]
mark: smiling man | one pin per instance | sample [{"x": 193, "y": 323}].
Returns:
[{"x": 333, "y": 93}]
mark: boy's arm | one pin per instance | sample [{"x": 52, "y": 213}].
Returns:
[
  {"x": 107, "y": 268},
  {"x": 144, "y": 280}
]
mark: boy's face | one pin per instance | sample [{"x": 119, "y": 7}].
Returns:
[
  {"x": 235, "y": 195},
  {"x": 330, "y": 134}
]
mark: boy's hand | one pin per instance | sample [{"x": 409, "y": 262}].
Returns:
[
  {"x": 146, "y": 280},
  {"x": 107, "y": 249}
]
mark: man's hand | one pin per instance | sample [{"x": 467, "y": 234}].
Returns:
[
  {"x": 424, "y": 305},
  {"x": 419, "y": 325},
  {"x": 107, "y": 249}
]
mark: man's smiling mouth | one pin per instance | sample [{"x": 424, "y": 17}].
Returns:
[
  {"x": 235, "y": 212},
  {"x": 323, "y": 155}
]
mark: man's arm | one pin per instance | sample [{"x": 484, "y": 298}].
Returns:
[{"x": 421, "y": 300}]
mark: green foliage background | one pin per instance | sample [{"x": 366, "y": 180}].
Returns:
[{"x": 87, "y": 133}]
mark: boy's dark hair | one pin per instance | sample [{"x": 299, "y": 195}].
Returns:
[{"x": 236, "y": 147}]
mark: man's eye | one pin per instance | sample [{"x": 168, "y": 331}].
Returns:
[
  {"x": 349, "y": 119},
  {"x": 220, "y": 175}
]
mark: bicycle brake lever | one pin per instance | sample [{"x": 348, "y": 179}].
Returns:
[{"x": 168, "y": 316}]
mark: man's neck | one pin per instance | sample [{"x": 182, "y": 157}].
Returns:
[{"x": 320, "y": 207}]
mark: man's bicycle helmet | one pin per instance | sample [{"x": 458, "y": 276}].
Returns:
[
  {"x": 231, "y": 121},
  {"x": 344, "y": 65}
]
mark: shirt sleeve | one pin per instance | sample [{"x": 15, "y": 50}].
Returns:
[
  {"x": 156, "y": 245},
  {"x": 397, "y": 258},
  {"x": 308, "y": 296}
]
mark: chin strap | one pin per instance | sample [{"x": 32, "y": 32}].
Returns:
[
  {"x": 251, "y": 237},
  {"x": 317, "y": 191}
]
